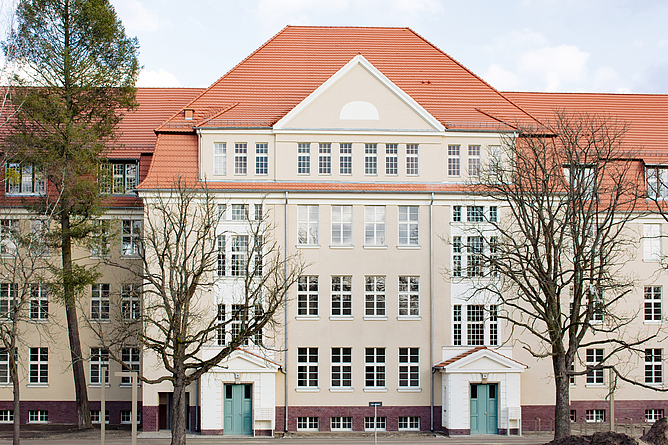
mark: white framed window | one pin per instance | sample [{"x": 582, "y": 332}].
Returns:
[
  {"x": 454, "y": 163},
  {"x": 220, "y": 330},
  {"x": 239, "y": 319},
  {"x": 342, "y": 424},
  {"x": 39, "y": 366},
  {"x": 307, "y": 224},
  {"x": 346, "y": 159},
  {"x": 342, "y": 225},
  {"x": 99, "y": 301},
  {"x": 374, "y": 225},
  {"x": 409, "y": 296},
  {"x": 261, "y": 158},
  {"x": 307, "y": 424},
  {"x": 374, "y": 369},
  {"x": 456, "y": 256},
  {"x": 9, "y": 232},
  {"x": 130, "y": 357},
  {"x": 239, "y": 212},
  {"x": 131, "y": 237},
  {"x": 657, "y": 182},
  {"x": 474, "y": 160},
  {"x": 493, "y": 325},
  {"x": 457, "y": 213},
  {"x": 99, "y": 359},
  {"x": 652, "y": 415},
  {"x": 95, "y": 416},
  {"x": 6, "y": 416},
  {"x": 240, "y": 158},
  {"x": 220, "y": 244},
  {"x": 475, "y": 324},
  {"x": 258, "y": 212},
  {"x": 412, "y": 163},
  {"x": 409, "y": 423},
  {"x": 126, "y": 416},
  {"x": 374, "y": 296},
  {"x": 342, "y": 367},
  {"x": 380, "y": 423},
  {"x": 652, "y": 242},
  {"x": 325, "y": 159},
  {"x": 307, "y": 367},
  {"x": 39, "y": 302},
  {"x": 595, "y": 416},
  {"x": 304, "y": 158},
  {"x": 584, "y": 179},
  {"x": 391, "y": 159},
  {"x": 8, "y": 294},
  {"x": 130, "y": 301},
  {"x": 220, "y": 158},
  {"x": 342, "y": 296},
  {"x": 5, "y": 376},
  {"x": 39, "y": 235},
  {"x": 370, "y": 159},
  {"x": 118, "y": 177},
  {"x": 239, "y": 255},
  {"x": 101, "y": 239},
  {"x": 457, "y": 325},
  {"x": 493, "y": 214},
  {"x": 474, "y": 257},
  {"x": 38, "y": 416},
  {"x": 409, "y": 367},
  {"x": 24, "y": 180},
  {"x": 593, "y": 358},
  {"x": 307, "y": 295},
  {"x": 654, "y": 366},
  {"x": 475, "y": 214},
  {"x": 571, "y": 378},
  {"x": 653, "y": 310},
  {"x": 409, "y": 223}
]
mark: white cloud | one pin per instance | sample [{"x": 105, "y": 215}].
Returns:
[
  {"x": 501, "y": 79},
  {"x": 160, "y": 78},
  {"x": 137, "y": 17},
  {"x": 556, "y": 64},
  {"x": 606, "y": 79}
]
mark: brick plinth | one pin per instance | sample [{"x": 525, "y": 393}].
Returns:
[
  {"x": 150, "y": 418},
  {"x": 65, "y": 412},
  {"x": 211, "y": 432}
]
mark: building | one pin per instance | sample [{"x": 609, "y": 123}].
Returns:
[{"x": 357, "y": 144}]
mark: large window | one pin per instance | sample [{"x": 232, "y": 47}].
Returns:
[
  {"x": 304, "y": 158},
  {"x": 474, "y": 257},
  {"x": 99, "y": 302},
  {"x": 307, "y": 295},
  {"x": 593, "y": 358},
  {"x": 240, "y": 158},
  {"x": 8, "y": 294},
  {"x": 409, "y": 367},
  {"x": 652, "y": 242},
  {"x": 409, "y": 218},
  {"x": 342, "y": 367},
  {"x": 39, "y": 302},
  {"x": 130, "y": 303},
  {"x": 239, "y": 255},
  {"x": 412, "y": 164},
  {"x": 374, "y": 369},
  {"x": 345, "y": 159},
  {"x": 118, "y": 177},
  {"x": 374, "y": 225},
  {"x": 653, "y": 310},
  {"x": 239, "y": 212},
  {"x": 409, "y": 296},
  {"x": 475, "y": 325},
  {"x": 325, "y": 159},
  {"x": 130, "y": 358},
  {"x": 24, "y": 180},
  {"x": 261, "y": 158},
  {"x": 374, "y": 296},
  {"x": 99, "y": 360},
  {"x": 220, "y": 158},
  {"x": 391, "y": 160},
  {"x": 342, "y": 225},
  {"x": 370, "y": 159},
  {"x": 454, "y": 168},
  {"x": 39, "y": 365},
  {"x": 654, "y": 366},
  {"x": 342, "y": 296},
  {"x": 9, "y": 232},
  {"x": 131, "y": 237},
  {"x": 307, "y": 367},
  {"x": 474, "y": 160},
  {"x": 307, "y": 224}
]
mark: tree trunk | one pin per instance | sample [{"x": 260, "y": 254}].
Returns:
[
  {"x": 562, "y": 405},
  {"x": 81, "y": 392},
  {"x": 14, "y": 375},
  {"x": 179, "y": 412}
]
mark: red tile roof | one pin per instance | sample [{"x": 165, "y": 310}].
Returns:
[{"x": 452, "y": 360}]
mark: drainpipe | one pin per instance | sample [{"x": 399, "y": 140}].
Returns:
[
  {"x": 431, "y": 310},
  {"x": 285, "y": 311}
]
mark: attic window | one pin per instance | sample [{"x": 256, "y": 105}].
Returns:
[
  {"x": 359, "y": 110},
  {"x": 189, "y": 113}
]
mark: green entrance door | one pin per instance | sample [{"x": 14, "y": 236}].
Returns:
[
  {"x": 238, "y": 410},
  {"x": 483, "y": 409}
]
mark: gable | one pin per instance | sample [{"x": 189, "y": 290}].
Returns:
[
  {"x": 485, "y": 363},
  {"x": 244, "y": 362}
]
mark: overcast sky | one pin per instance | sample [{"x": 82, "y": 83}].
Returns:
[{"x": 524, "y": 45}]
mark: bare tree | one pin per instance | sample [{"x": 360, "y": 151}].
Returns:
[
  {"x": 554, "y": 257},
  {"x": 183, "y": 255}
]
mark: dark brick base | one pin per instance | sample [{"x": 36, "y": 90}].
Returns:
[
  {"x": 65, "y": 412},
  {"x": 454, "y": 432},
  {"x": 263, "y": 433},
  {"x": 211, "y": 432},
  {"x": 150, "y": 418}
]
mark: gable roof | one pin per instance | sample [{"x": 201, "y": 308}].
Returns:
[{"x": 480, "y": 350}]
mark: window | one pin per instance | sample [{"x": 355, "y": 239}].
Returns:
[
  {"x": 307, "y": 295},
  {"x": 653, "y": 303},
  {"x": 474, "y": 213},
  {"x": 38, "y": 241},
  {"x": 409, "y": 225},
  {"x": 409, "y": 367},
  {"x": 411, "y": 423},
  {"x": 654, "y": 366},
  {"x": 409, "y": 296},
  {"x": 222, "y": 212},
  {"x": 493, "y": 214},
  {"x": 220, "y": 158},
  {"x": 583, "y": 179},
  {"x": 342, "y": 424},
  {"x": 304, "y": 158},
  {"x": 475, "y": 325},
  {"x": 457, "y": 324},
  {"x": 457, "y": 213},
  {"x": 38, "y": 416},
  {"x": 239, "y": 255},
  {"x": 307, "y": 224},
  {"x": 474, "y": 160},
  {"x": 39, "y": 365},
  {"x": 99, "y": 359},
  {"x": 130, "y": 304},
  {"x": 95, "y": 416},
  {"x": 374, "y": 225},
  {"x": 99, "y": 302},
  {"x": 239, "y": 212},
  {"x": 240, "y": 158},
  {"x": 307, "y": 424},
  {"x": 493, "y": 256},
  {"x": 39, "y": 302},
  {"x": 126, "y": 416},
  {"x": 474, "y": 260},
  {"x": 258, "y": 212},
  {"x": 391, "y": 162},
  {"x": 130, "y": 358},
  {"x": 571, "y": 378},
  {"x": 595, "y": 416},
  {"x": 8, "y": 293},
  {"x": 9, "y": 231},
  {"x": 6, "y": 415},
  {"x": 118, "y": 178},
  {"x": 374, "y": 296},
  {"x": 374, "y": 370},
  {"x": 651, "y": 415},
  {"x": 456, "y": 256},
  {"x": 342, "y": 368},
  {"x": 379, "y": 424},
  {"x": 220, "y": 330},
  {"x": 307, "y": 367},
  {"x": 345, "y": 159},
  {"x": 342, "y": 296},
  {"x": 239, "y": 322},
  {"x": 131, "y": 236},
  {"x": 594, "y": 357},
  {"x": 493, "y": 326},
  {"x": 412, "y": 159},
  {"x": 258, "y": 255},
  {"x": 342, "y": 225},
  {"x": 261, "y": 158},
  {"x": 5, "y": 376},
  {"x": 325, "y": 159},
  {"x": 370, "y": 159},
  {"x": 220, "y": 269},
  {"x": 453, "y": 160},
  {"x": 101, "y": 245},
  {"x": 657, "y": 182},
  {"x": 24, "y": 180}
]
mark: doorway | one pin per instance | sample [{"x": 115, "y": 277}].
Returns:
[
  {"x": 484, "y": 408},
  {"x": 165, "y": 413},
  {"x": 238, "y": 409}
]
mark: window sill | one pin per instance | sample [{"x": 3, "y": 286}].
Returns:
[
  {"x": 343, "y": 389},
  {"x": 409, "y": 389},
  {"x": 97, "y": 385},
  {"x": 307, "y": 246},
  {"x": 375, "y": 317},
  {"x": 96, "y": 320},
  {"x": 308, "y": 317},
  {"x": 341, "y": 246},
  {"x": 37, "y": 422},
  {"x": 38, "y": 320},
  {"x": 37, "y": 385},
  {"x": 652, "y": 322},
  {"x": 372, "y": 389},
  {"x": 128, "y": 385},
  {"x": 341, "y": 317},
  {"x": 409, "y": 317},
  {"x": 409, "y": 247},
  {"x": 595, "y": 385},
  {"x": 301, "y": 389},
  {"x": 375, "y": 247}
]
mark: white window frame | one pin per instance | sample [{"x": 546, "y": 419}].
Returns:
[
  {"x": 409, "y": 367},
  {"x": 119, "y": 177},
  {"x": 652, "y": 242},
  {"x": 374, "y": 225},
  {"x": 101, "y": 245},
  {"x": 409, "y": 423},
  {"x": 239, "y": 255},
  {"x": 39, "y": 302},
  {"x": 261, "y": 158},
  {"x": 99, "y": 359},
  {"x": 375, "y": 303},
  {"x": 381, "y": 423},
  {"x": 99, "y": 302},
  {"x": 307, "y": 367},
  {"x": 132, "y": 358},
  {"x": 474, "y": 160},
  {"x": 131, "y": 301},
  {"x": 39, "y": 366},
  {"x": 409, "y": 225},
  {"x": 653, "y": 307},
  {"x": 409, "y": 296},
  {"x": 304, "y": 158},
  {"x": 9, "y": 232},
  {"x": 8, "y": 295},
  {"x": 341, "y": 423},
  {"x": 307, "y": 296},
  {"x": 131, "y": 237},
  {"x": 308, "y": 423},
  {"x": 371, "y": 159},
  {"x": 6, "y": 416},
  {"x": 345, "y": 158},
  {"x": 412, "y": 160},
  {"x": 95, "y": 416},
  {"x": 342, "y": 225},
  {"x": 307, "y": 225},
  {"x": 342, "y": 368},
  {"x": 342, "y": 296},
  {"x": 457, "y": 250},
  {"x": 595, "y": 416},
  {"x": 5, "y": 374},
  {"x": 240, "y": 158},
  {"x": 456, "y": 213},
  {"x": 325, "y": 158},
  {"x": 593, "y": 357},
  {"x": 126, "y": 417},
  {"x": 240, "y": 212},
  {"x": 25, "y": 180},
  {"x": 391, "y": 159},
  {"x": 469, "y": 325},
  {"x": 38, "y": 416},
  {"x": 654, "y": 366},
  {"x": 220, "y": 158},
  {"x": 221, "y": 330},
  {"x": 454, "y": 160},
  {"x": 222, "y": 256},
  {"x": 375, "y": 375},
  {"x": 653, "y": 414}
]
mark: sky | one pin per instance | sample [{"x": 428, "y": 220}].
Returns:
[{"x": 515, "y": 45}]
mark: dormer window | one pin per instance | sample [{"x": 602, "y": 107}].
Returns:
[
  {"x": 657, "y": 182},
  {"x": 118, "y": 177},
  {"x": 24, "y": 179}
]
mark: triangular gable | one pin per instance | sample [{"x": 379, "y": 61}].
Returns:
[
  {"x": 481, "y": 360},
  {"x": 245, "y": 361},
  {"x": 359, "y": 96}
]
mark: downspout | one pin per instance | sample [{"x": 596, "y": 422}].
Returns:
[
  {"x": 431, "y": 310},
  {"x": 285, "y": 311},
  {"x": 199, "y": 153}
]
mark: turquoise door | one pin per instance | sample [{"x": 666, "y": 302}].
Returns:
[
  {"x": 483, "y": 409},
  {"x": 238, "y": 410}
]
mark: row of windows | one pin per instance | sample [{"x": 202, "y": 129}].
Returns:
[
  {"x": 125, "y": 416},
  {"x": 240, "y": 158},
  {"x": 344, "y": 423},
  {"x": 599, "y": 415},
  {"x": 341, "y": 372},
  {"x": 308, "y": 296},
  {"x": 475, "y": 214},
  {"x": 99, "y": 360},
  {"x": 342, "y": 225},
  {"x": 594, "y": 356},
  {"x": 239, "y": 212},
  {"x": 42, "y": 416}
]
